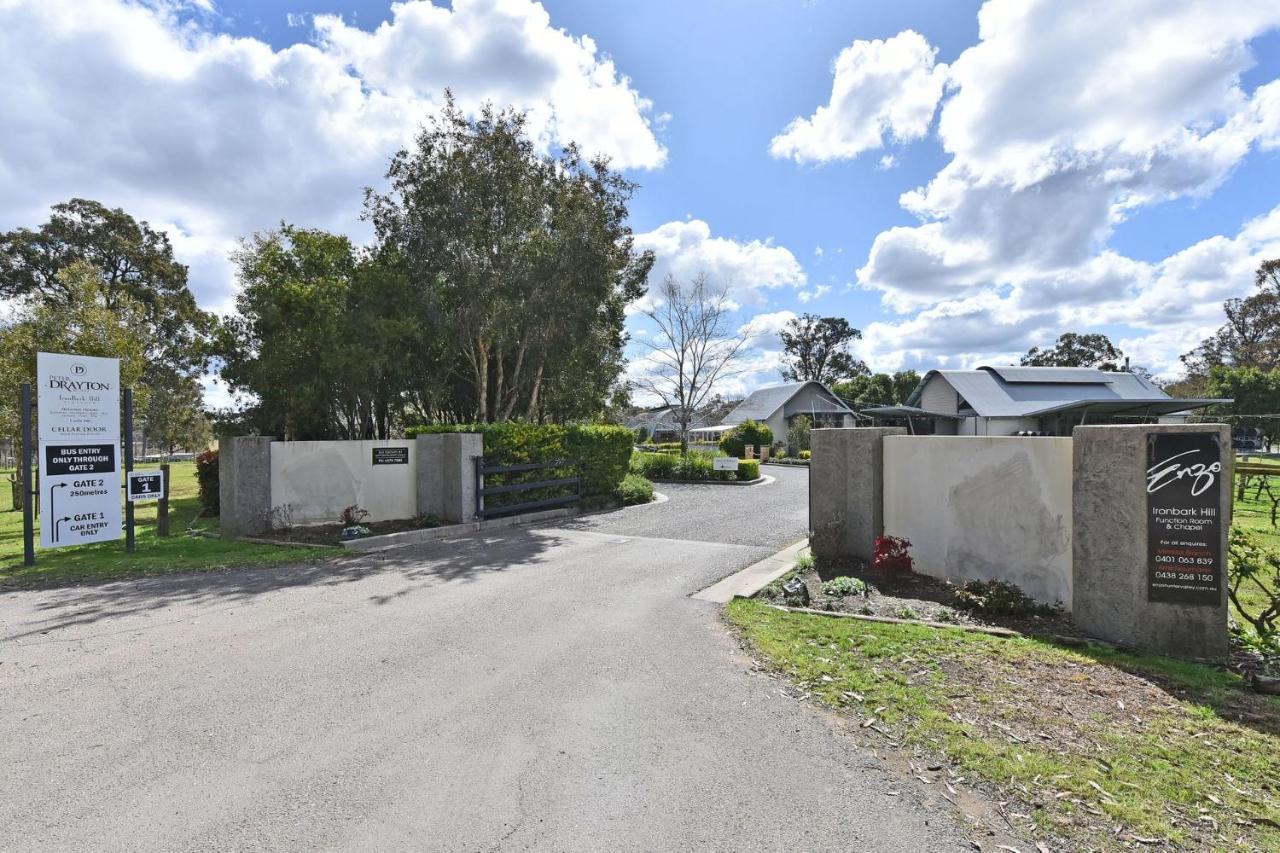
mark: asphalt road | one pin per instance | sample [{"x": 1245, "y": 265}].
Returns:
[{"x": 551, "y": 688}]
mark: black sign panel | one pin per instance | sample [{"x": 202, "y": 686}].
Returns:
[
  {"x": 1185, "y": 563},
  {"x": 72, "y": 459},
  {"x": 391, "y": 456},
  {"x": 146, "y": 485}
]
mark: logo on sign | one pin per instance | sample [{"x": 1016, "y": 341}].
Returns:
[{"x": 1200, "y": 476}]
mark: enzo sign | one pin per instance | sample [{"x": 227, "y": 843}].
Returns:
[
  {"x": 78, "y": 400},
  {"x": 1184, "y": 528}
]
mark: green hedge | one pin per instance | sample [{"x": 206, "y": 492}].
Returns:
[
  {"x": 746, "y": 433},
  {"x": 635, "y": 490},
  {"x": 695, "y": 466},
  {"x": 603, "y": 450}
]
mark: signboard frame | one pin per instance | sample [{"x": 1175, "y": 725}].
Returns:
[
  {"x": 1186, "y": 563},
  {"x": 726, "y": 463}
]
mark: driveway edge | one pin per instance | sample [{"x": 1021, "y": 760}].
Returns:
[{"x": 754, "y": 577}]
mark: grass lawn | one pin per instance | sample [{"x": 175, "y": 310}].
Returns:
[
  {"x": 179, "y": 552},
  {"x": 1086, "y": 740},
  {"x": 1254, "y": 512}
]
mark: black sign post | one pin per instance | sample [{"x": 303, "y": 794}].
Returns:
[
  {"x": 128, "y": 466},
  {"x": 1185, "y": 563},
  {"x": 24, "y": 473}
]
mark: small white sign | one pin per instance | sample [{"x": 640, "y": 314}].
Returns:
[
  {"x": 726, "y": 463},
  {"x": 146, "y": 485},
  {"x": 77, "y": 398}
]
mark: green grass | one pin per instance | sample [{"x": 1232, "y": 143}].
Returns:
[
  {"x": 180, "y": 552},
  {"x": 949, "y": 693},
  {"x": 1254, "y": 512}
]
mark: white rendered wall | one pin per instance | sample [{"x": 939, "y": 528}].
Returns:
[
  {"x": 984, "y": 508},
  {"x": 317, "y": 479}
]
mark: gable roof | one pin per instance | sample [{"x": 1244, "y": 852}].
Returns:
[
  {"x": 1001, "y": 392},
  {"x": 660, "y": 419},
  {"x": 764, "y": 402}
]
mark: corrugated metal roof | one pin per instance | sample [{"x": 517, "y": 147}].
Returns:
[
  {"x": 1070, "y": 375},
  {"x": 763, "y": 402},
  {"x": 990, "y": 395}
]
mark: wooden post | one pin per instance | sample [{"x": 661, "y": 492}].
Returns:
[{"x": 162, "y": 506}]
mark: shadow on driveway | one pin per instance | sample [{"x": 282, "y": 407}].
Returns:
[{"x": 463, "y": 559}]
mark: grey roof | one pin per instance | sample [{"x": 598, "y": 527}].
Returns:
[
  {"x": 660, "y": 419},
  {"x": 906, "y": 411},
  {"x": 1010, "y": 392},
  {"x": 763, "y": 402}
]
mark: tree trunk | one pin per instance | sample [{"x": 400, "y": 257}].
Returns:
[
  {"x": 482, "y": 381},
  {"x": 533, "y": 394}
]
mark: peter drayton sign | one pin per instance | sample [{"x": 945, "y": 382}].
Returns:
[
  {"x": 78, "y": 405},
  {"x": 1185, "y": 563}
]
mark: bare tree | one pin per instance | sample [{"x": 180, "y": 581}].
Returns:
[{"x": 693, "y": 348}]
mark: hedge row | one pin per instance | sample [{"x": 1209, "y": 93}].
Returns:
[
  {"x": 602, "y": 450},
  {"x": 695, "y": 466}
]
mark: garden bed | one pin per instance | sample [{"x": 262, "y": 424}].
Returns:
[{"x": 911, "y": 596}]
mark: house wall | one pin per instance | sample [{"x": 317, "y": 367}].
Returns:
[
  {"x": 985, "y": 508},
  {"x": 996, "y": 426},
  {"x": 938, "y": 396},
  {"x": 317, "y": 479}
]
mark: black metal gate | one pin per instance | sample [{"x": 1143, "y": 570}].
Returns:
[{"x": 482, "y": 491}]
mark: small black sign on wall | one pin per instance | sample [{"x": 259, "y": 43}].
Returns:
[
  {"x": 1184, "y": 525},
  {"x": 391, "y": 456}
]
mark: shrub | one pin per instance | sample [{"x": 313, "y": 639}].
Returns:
[
  {"x": 605, "y": 454},
  {"x": 748, "y": 433},
  {"x": 654, "y": 466},
  {"x": 634, "y": 489},
  {"x": 998, "y": 598},
  {"x": 1250, "y": 565},
  {"x": 603, "y": 450},
  {"x": 352, "y": 516},
  {"x": 892, "y": 555},
  {"x": 695, "y": 467},
  {"x": 798, "y": 434},
  {"x": 844, "y": 585},
  {"x": 207, "y": 478},
  {"x": 805, "y": 454}
]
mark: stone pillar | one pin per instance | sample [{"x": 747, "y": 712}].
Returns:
[
  {"x": 1110, "y": 556},
  {"x": 846, "y": 490},
  {"x": 244, "y": 484},
  {"x": 447, "y": 474}
]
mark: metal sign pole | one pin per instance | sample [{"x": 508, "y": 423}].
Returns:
[
  {"x": 128, "y": 466},
  {"x": 24, "y": 471}
]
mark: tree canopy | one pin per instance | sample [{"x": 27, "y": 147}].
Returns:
[
  {"x": 877, "y": 389},
  {"x": 817, "y": 348},
  {"x": 1077, "y": 350}
]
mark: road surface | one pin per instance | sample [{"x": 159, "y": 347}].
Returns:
[{"x": 548, "y": 688}]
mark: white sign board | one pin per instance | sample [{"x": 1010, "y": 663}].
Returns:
[
  {"x": 726, "y": 463},
  {"x": 147, "y": 485},
  {"x": 78, "y": 402},
  {"x": 78, "y": 398}
]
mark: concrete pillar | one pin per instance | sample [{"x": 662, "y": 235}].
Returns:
[
  {"x": 846, "y": 490},
  {"x": 1111, "y": 561},
  {"x": 244, "y": 484},
  {"x": 447, "y": 474}
]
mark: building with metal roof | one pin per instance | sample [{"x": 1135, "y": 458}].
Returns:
[
  {"x": 778, "y": 406},
  {"x": 997, "y": 400},
  {"x": 661, "y": 424}
]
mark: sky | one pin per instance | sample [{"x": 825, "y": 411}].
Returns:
[{"x": 960, "y": 180}]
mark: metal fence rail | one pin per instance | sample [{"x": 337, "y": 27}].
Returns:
[{"x": 483, "y": 468}]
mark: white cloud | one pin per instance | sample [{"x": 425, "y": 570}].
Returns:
[
  {"x": 887, "y": 87},
  {"x": 141, "y": 107},
  {"x": 761, "y": 331},
  {"x": 747, "y": 270},
  {"x": 1064, "y": 120}
]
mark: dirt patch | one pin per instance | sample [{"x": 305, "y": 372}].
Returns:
[{"x": 329, "y": 534}]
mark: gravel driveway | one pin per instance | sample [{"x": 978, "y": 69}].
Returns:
[{"x": 547, "y": 688}]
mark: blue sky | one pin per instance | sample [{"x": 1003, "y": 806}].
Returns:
[{"x": 1083, "y": 166}]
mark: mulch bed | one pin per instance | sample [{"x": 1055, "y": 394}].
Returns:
[{"x": 916, "y": 596}]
